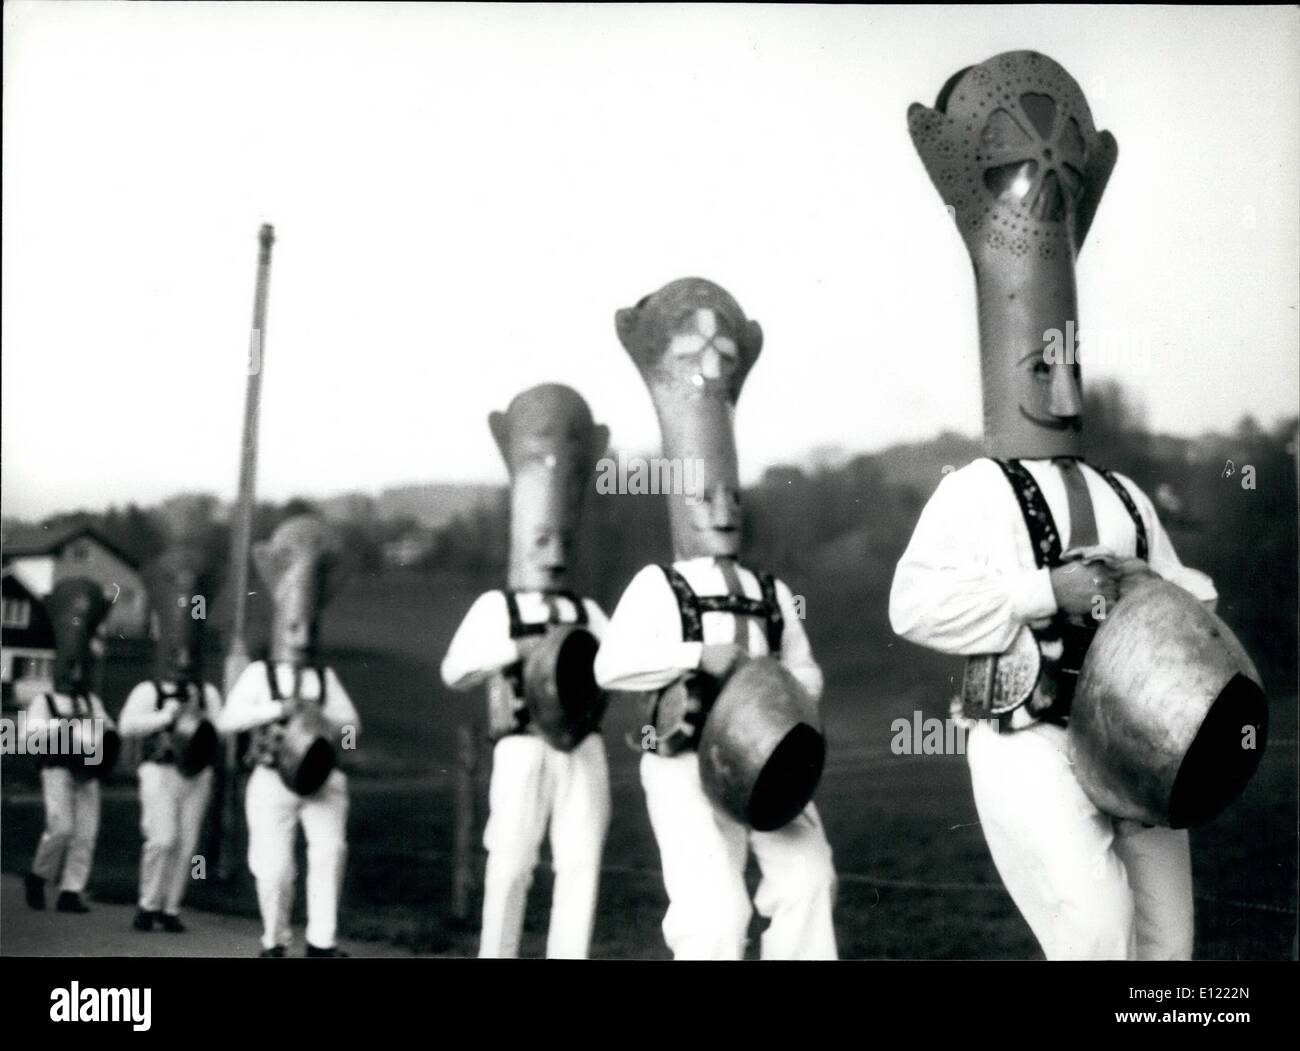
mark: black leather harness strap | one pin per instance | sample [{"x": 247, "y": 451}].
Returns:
[
  {"x": 520, "y": 628},
  {"x": 1045, "y": 540},
  {"x": 691, "y": 608},
  {"x": 264, "y": 741},
  {"x": 81, "y": 709},
  {"x": 158, "y": 746},
  {"x": 1126, "y": 498}
]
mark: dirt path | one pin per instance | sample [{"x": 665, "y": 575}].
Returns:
[{"x": 106, "y": 931}]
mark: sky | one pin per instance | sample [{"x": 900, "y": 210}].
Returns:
[{"x": 464, "y": 195}]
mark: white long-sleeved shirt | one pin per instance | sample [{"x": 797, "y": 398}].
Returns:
[
  {"x": 141, "y": 715},
  {"x": 643, "y": 648},
  {"x": 967, "y": 582},
  {"x": 482, "y": 644},
  {"x": 39, "y": 715},
  {"x": 250, "y": 703}
]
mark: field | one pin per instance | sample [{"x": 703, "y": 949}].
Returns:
[{"x": 916, "y": 878}]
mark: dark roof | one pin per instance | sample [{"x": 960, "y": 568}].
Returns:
[
  {"x": 43, "y": 540},
  {"x": 38, "y": 635}
]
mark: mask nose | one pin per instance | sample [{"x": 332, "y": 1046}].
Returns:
[
  {"x": 298, "y": 633},
  {"x": 554, "y": 554},
  {"x": 1066, "y": 401},
  {"x": 724, "y": 507}
]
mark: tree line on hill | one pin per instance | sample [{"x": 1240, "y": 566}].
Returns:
[{"x": 1229, "y": 502}]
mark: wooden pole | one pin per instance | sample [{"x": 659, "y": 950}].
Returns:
[
  {"x": 241, "y": 535},
  {"x": 462, "y": 880}
]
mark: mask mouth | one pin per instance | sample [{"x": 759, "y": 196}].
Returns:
[
  {"x": 297, "y": 649},
  {"x": 1054, "y": 423}
]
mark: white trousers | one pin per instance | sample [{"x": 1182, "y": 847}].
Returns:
[
  {"x": 67, "y": 845},
  {"x": 703, "y": 852},
  {"x": 171, "y": 816},
  {"x": 1090, "y": 886},
  {"x": 534, "y": 785},
  {"x": 274, "y": 813}
]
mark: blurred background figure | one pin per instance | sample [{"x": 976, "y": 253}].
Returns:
[
  {"x": 80, "y": 749},
  {"x": 299, "y": 716},
  {"x": 174, "y": 716}
]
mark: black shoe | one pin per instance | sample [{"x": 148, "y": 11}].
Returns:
[
  {"x": 70, "y": 901},
  {"x": 334, "y": 953},
  {"x": 143, "y": 920},
  {"x": 171, "y": 924},
  {"x": 275, "y": 952},
  {"x": 34, "y": 885}
]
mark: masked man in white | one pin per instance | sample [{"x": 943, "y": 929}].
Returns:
[
  {"x": 1030, "y": 547},
  {"x": 78, "y": 738},
  {"x": 680, "y": 630},
  {"x": 174, "y": 715},
  {"x": 293, "y": 697},
  {"x": 542, "y": 777}
]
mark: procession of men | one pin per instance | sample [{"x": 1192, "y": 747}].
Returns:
[{"x": 1032, "y": 563}]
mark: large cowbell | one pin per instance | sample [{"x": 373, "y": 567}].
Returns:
[
  {"x": 694, "y": 347},
  {"x": 761, "y": 749},
  {"x": 76, "y": 608},
  {"x": 303, "y": 566},
  {"x": 1011, "y": 147},
  {"x": 1169, "y": 719},
  {"x": 550, "y": 444}
]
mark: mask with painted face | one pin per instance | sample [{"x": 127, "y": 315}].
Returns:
[
  {"x": 180, "y": 586},
  {"x": 550, "y": 445},
  {"x": 76, "y": 608},
  {"x": 179, "y": 591},
  {"x": 1012, "y": 149},
  {"x": 303, "y": 566},
  {"x": 694, "y": 347}
]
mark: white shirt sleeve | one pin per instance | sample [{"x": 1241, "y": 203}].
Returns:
[
  {"x": 1161, "y": 556},
  {"x": 39, "y": 714},
  {"x": 796, "y": 650},
  {"x": 642, "y": 648},
  {"x": 250, "y": 703},
  {"x": 212, "y": 702},
  {"x": 339, "y": 709},
  {"x": 98, "y": 711},
  {"x": 141, "y": 715},
  {"x": 482, "y": 644},
  {"x": 960, "y": 586},
  {"x": 597, "y": 622}
]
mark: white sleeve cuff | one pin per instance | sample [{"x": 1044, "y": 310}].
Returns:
[{"x": 1032, "y": 597}]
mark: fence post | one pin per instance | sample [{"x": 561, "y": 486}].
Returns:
[{"x": 462, "y": 884}]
